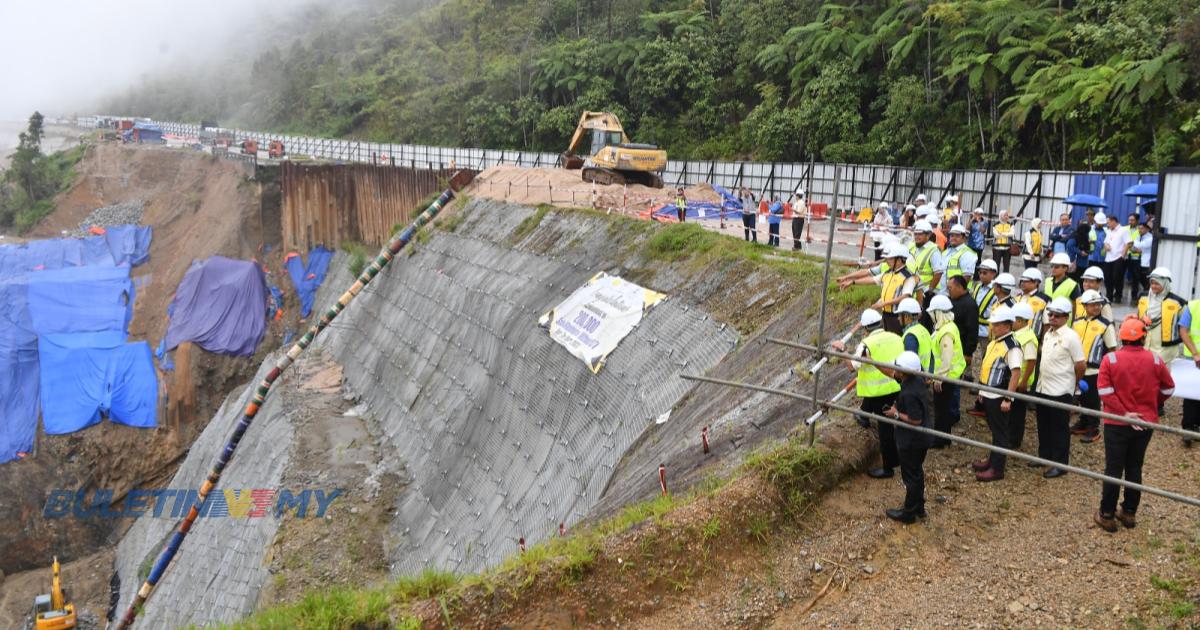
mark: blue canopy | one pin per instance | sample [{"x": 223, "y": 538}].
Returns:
[
  {"x": 1145, "y": 189},
  {"x": 1080, "y": 199}
]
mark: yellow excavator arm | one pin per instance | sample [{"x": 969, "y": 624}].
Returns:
[
  {"x": 602, "y": 121},
  {"x": 52, "y": 612}
]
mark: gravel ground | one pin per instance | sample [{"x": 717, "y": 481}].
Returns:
[
  {"x": 127, "y": 213},
  {"x": 1022, "y": 552}
]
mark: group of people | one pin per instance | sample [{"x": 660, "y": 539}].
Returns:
[
  {"x": 941, "y": 311},
  {"x": 793, "y": 210}
]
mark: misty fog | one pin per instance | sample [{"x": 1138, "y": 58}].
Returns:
[{"x": 65, "y": 57}]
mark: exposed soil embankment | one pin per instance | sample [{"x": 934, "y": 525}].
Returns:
[{"x": 198, "y": 207}]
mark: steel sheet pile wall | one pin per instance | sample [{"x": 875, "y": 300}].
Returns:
[{"x": 328, "y": 204}]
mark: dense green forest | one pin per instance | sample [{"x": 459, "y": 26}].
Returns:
[
  {"x": 32, "y": 179},
  {"x": 1097, "y": 84}
]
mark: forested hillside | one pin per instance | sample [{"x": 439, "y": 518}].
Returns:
[{"x": 1101, "y": 84}]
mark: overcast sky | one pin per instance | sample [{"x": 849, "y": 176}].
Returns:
[{"x": 61, "y": 56}]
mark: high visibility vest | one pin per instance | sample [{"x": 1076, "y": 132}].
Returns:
[
  {"x": 953, "y": 258},
  {"x": 883, "y": 347},
  {"x": 1037, "y": 301},
  {"x": 924, "y": 260},
  {"x": 1034, "y": 244},
  {"x": 1026, "y": 336},
  {"x": 1064, "y": 288},
  {"x": 924, "y": 344},
  {"x": 1194, "y": 329},
  {"x": 1002, "y": 231},
  {"x": 958, "y": 363},
  {"x": 994, "y": 370},
  {"x": 1172, "y": 306},
  {"x": 681, "y": 203},
  {"x": 1091, "y": 331},
  {"x": 890, "y": 286},
  {"x": 985, "y": 305}
]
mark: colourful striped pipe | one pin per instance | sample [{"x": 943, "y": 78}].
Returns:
[{"x": 385, "y": 256}]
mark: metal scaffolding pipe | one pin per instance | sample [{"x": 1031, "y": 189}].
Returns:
[
  {"x": 1174, "y": 496},
  {"x": 996, "y": 390},
  {"x": 386, "y": 254}
]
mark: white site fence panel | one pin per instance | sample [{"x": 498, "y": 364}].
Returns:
[{"x": 1026, "y": 193}]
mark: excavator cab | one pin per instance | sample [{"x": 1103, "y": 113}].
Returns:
[{"x": 51, "y": 610}]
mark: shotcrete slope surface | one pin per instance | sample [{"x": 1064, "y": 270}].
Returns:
[{"x": 502, "y": 433}]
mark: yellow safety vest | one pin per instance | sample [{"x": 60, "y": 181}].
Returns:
[
  {"x": 1172, "y": 306},
  {"x": 1091, "y": 331},
  {"x": 924, "y": 344},
  {"x": 1002, "y": 232},
  {"x": 953, "y": 267},
  {"x": 1026, "y": 336},
  {"x": 1194, "y": 329},
  {"x": 884, "y": 347},
  {"x": 959, "y": 364},
  {"x": 891, "y": 284},
  {"x": 924, "y": 260},
  {"x": 994, "y": 370},
  {"x": 985, "y": 305},
  {"x": 1035, "y": 242},
  {"x": 1037, "y": 302}
]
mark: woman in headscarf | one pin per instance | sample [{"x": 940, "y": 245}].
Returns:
[
  {"x": 1033, "y": 244},
  {"x": 1161, "y": 309}
]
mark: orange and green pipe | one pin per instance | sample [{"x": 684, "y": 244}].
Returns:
[{"x": 389, "y": 251}]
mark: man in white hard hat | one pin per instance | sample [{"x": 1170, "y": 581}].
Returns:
[
  {"x": 1023, "y": 332},
  {"x": 927, "y": 259},
  {"x": 1000, "y": 368},
  {"x": 982, "y": 293},
  {"x": 948, "y": 361},
  {"x": 1162, "y": 309},
  {"x": 1117, "y": 242},
  {"x": 1032, "y": 294},
  {"x": 912, "y": 407},
  {"x": 915, "y": 336},
  {"x": 1004, "y": 285},
  {"x": 960, "y": 259},
  {"x": 1092, "y": 280},
  {"x": 1061, "y": 366},
  {"x": 1096, "y": 239},
  {"x": 1060, "y": 283},
  {"x": 1099, "y": 338},
  {"x": 877, "y": 389}
]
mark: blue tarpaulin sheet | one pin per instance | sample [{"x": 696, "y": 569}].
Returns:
[
  {"x": 308, "y": 278},
  {"x": 81, "y": 383},
  {"x": 220, "y": 305},
  {"x": 81, "y": 317},
  {"x": 122, "y": 245}
]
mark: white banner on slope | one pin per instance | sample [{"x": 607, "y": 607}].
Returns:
[{"x": 597, "y": 316}]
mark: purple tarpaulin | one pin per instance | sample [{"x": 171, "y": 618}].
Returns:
[{"x": 220, "y": 306}]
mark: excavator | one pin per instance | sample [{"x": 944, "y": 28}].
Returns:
[
  {"x": 51, "y": 611},
  {"x": 612, "y": 158}
]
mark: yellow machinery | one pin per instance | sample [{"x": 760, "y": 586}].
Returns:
[
  {"x": 612, "y": 158},
  {"x": 52, "y": 612}
]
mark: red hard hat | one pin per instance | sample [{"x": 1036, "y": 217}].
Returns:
[{"x": 1133, "y": 329}]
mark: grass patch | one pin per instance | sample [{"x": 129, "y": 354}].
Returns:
[
  {"x": 356, "y": 257},
  {"x": 793, "y": 468},
  {"x": 329, "y": 608},
  {"x": 530, "y": 223}
]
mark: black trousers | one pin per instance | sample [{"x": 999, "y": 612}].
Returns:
[
  {"x": 1000, "y": 424},
  {"x": 912, "y": 473},
  {"x": 945, "y": 411},
  {"x": 1091, "y": 400},
  {"x": 1003, "y": 257},
  {"x": 1139, "y": 279},
  {"x": 681, "y": 213},
  {"x": 1016, "y": 416},
  {"x": 773, "y": 235},
  {"x": 748, "y": 227},
  {"x": 1054, "y": 430},
  {"x": 1114, "y": 279},
  {"x": 887, "y": 432},
  {"x": 1124, "y": 454},
  {"x": 1191, "y": 414},
  {"x": 797, "y": 231}
]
